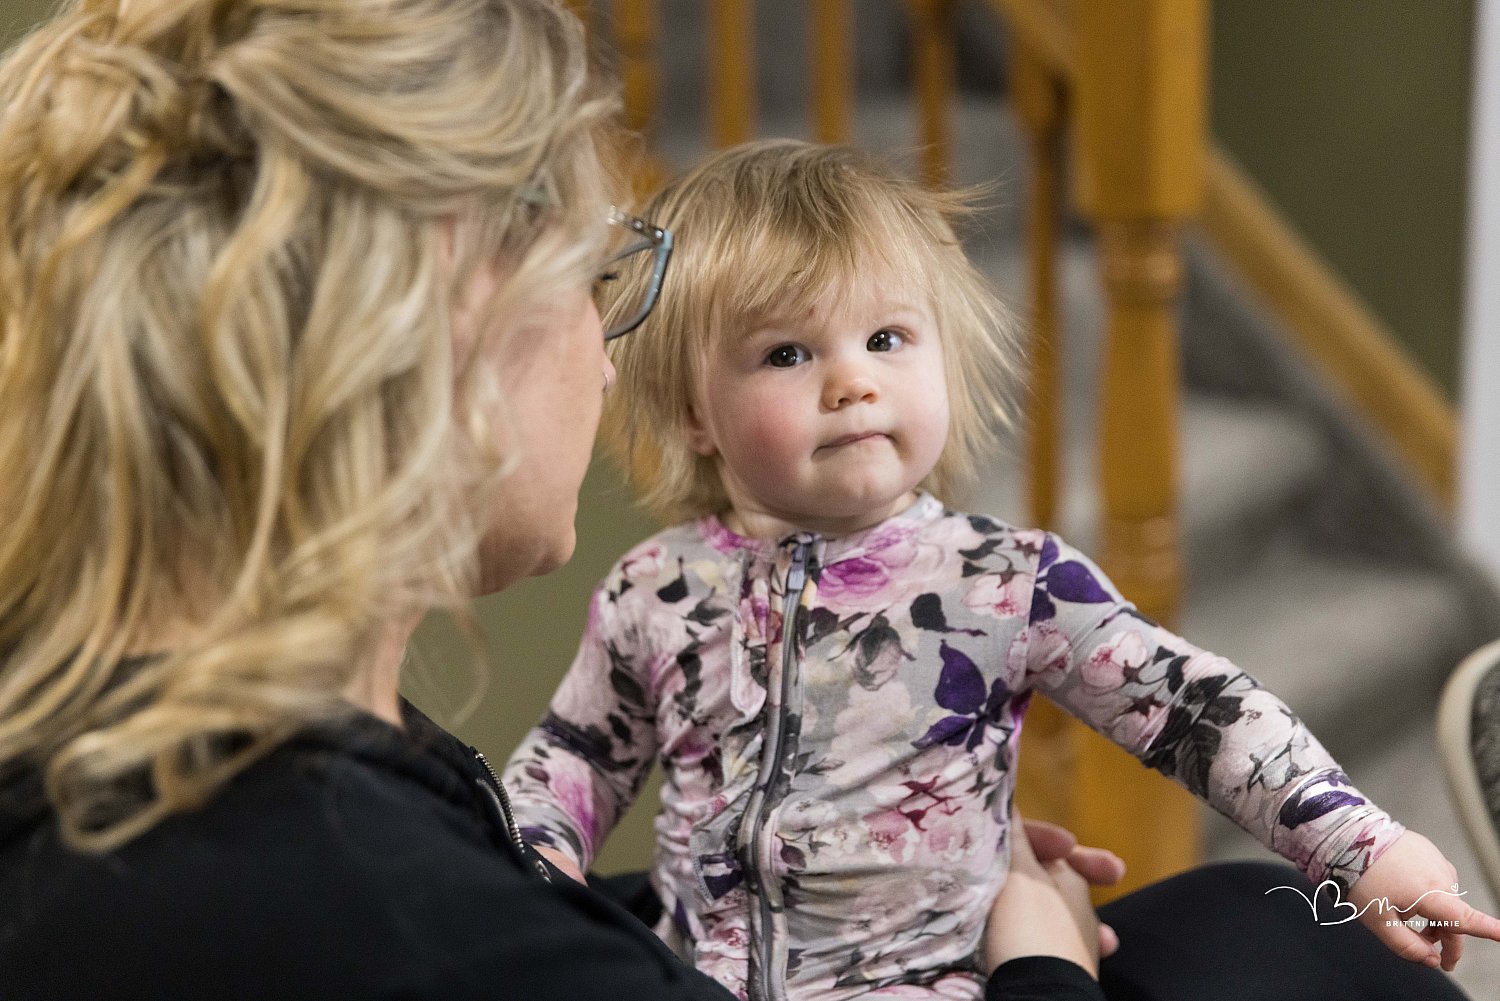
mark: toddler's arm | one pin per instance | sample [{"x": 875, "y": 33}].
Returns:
[
  {"x": 578, "y": 770},
  {"x": 1198, "y": 719}
]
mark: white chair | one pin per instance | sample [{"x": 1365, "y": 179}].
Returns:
[{"x": 1468, "y": 731}]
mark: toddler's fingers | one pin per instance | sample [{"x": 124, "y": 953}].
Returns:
[
  {"x": 1458, "y": 917},
  {"x": 1407, "y": 943},
  {"x": 1478, "y": 923},
  {"x": 1453, "y": 950}
]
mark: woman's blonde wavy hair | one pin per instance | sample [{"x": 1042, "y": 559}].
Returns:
[
  {"x": 230, "y": 235},
  {"x": 768, "y": 229}
]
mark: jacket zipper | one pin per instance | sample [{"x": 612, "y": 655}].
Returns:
[
  {"x": 501, "y": 800},
  {"x": 771, "y": 983}
]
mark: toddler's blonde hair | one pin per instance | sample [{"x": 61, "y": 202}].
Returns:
[{"x": 770, "y": 228}]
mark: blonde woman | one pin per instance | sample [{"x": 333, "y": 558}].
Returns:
[{"x": 296, "y": 344}]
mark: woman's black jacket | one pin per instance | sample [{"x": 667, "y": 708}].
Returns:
[{"x": 355, "y": 861}]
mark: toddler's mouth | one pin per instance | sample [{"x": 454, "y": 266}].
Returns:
[{"x": 852, "y": 439}]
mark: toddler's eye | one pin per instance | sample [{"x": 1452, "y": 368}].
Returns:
[
  {"x": 884, "y": 340},
  {"x": 786, "y": 356}
]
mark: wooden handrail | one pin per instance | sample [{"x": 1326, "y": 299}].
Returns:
[{"x": 1355, "y": 351}]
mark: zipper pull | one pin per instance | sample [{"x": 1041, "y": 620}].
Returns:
[{"x": 796, "y": 575}]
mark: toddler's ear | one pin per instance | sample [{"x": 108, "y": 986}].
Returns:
[{"x": 698, "y": 436}]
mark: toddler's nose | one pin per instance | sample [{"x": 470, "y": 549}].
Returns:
[{"x": 847, "y": 388}]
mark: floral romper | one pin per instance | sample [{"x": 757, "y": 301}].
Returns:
[{"x": 838, "y": 720}]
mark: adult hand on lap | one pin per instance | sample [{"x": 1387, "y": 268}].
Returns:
[
  {"x": 1043, "y": 909},
  {"x": 1098, "y": 866}
]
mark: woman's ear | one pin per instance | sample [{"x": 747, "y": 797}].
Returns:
[{"x": 699, "y": 438}]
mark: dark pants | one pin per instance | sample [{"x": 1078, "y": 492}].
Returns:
[{"x": 1214, "y": 932}]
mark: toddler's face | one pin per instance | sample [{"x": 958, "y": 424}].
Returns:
[{"x": 826, "y": 421}]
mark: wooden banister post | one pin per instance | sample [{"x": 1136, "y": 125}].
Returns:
[
  {"x": 1036, "y": 95},
  {"x": 1140, "y": 109},
  {"x": 1046, "y": 785},
  {"x": 637, "y": 28},
  {"x": 731, "y": 71},
  {"x": 933, "y": 71},
  {"x": 833, "y": 70}
]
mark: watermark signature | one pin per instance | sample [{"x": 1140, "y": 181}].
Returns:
[{"x": 1382, "y": 904}]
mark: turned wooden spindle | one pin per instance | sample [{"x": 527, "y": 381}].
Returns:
[
  {"x": 832, "y": 70},
  {"x": 933, "y": 73},
  {"x": 1140, "y": 95},
  {"x": 731, "y": 71}
]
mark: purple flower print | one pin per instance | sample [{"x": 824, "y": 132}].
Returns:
[
  {"x": 961, "y": 690},
  {"x": 1067, "y": 581},
  {"x": 1316, "y": 799}
]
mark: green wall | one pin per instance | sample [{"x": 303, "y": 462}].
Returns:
[
  {"x": 16, "y": 16},
  {"x": 532, "y": 631},
  {"x": 1353, "y": 115}
]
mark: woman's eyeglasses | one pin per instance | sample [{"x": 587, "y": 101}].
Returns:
[{"x": 627, "y": 286}]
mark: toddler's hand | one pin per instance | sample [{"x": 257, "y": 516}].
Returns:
[
  {"x": 565, "y": 864},
  {"x": 1404, "y": 880}
]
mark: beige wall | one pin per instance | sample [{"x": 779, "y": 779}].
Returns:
[{"x": 1353, "y": 114}]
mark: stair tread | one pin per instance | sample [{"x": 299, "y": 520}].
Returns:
[
  {"x": 1237, "y": 457},
  {"x": 1345, "y": 656}
]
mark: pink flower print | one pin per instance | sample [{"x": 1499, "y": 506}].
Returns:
[
  {"x": 1115, "y": 662},
  {"x": 644, "y": 563},
  {"x": 1003, "y": 595},
  {"x": 891, "y": 570},
  {"x": 1039, "y": 655},
  {"x": 1135, "y": 727},
  {"x": 762, "y": 622},
  {"x": 890, "y": 832},
  {"x": 950, "y": 837},
  {"x": 851, "y": 580}
]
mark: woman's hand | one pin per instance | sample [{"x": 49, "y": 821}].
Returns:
[
  {"x": 1043, "y": 909},
  {"x": 1098, "y": 866},
  {"x": 1413, "y": 878}
]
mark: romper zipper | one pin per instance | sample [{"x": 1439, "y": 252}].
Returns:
[
  {"x": 501, "y": 799},
  {"x": 770, "y": 986}
]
